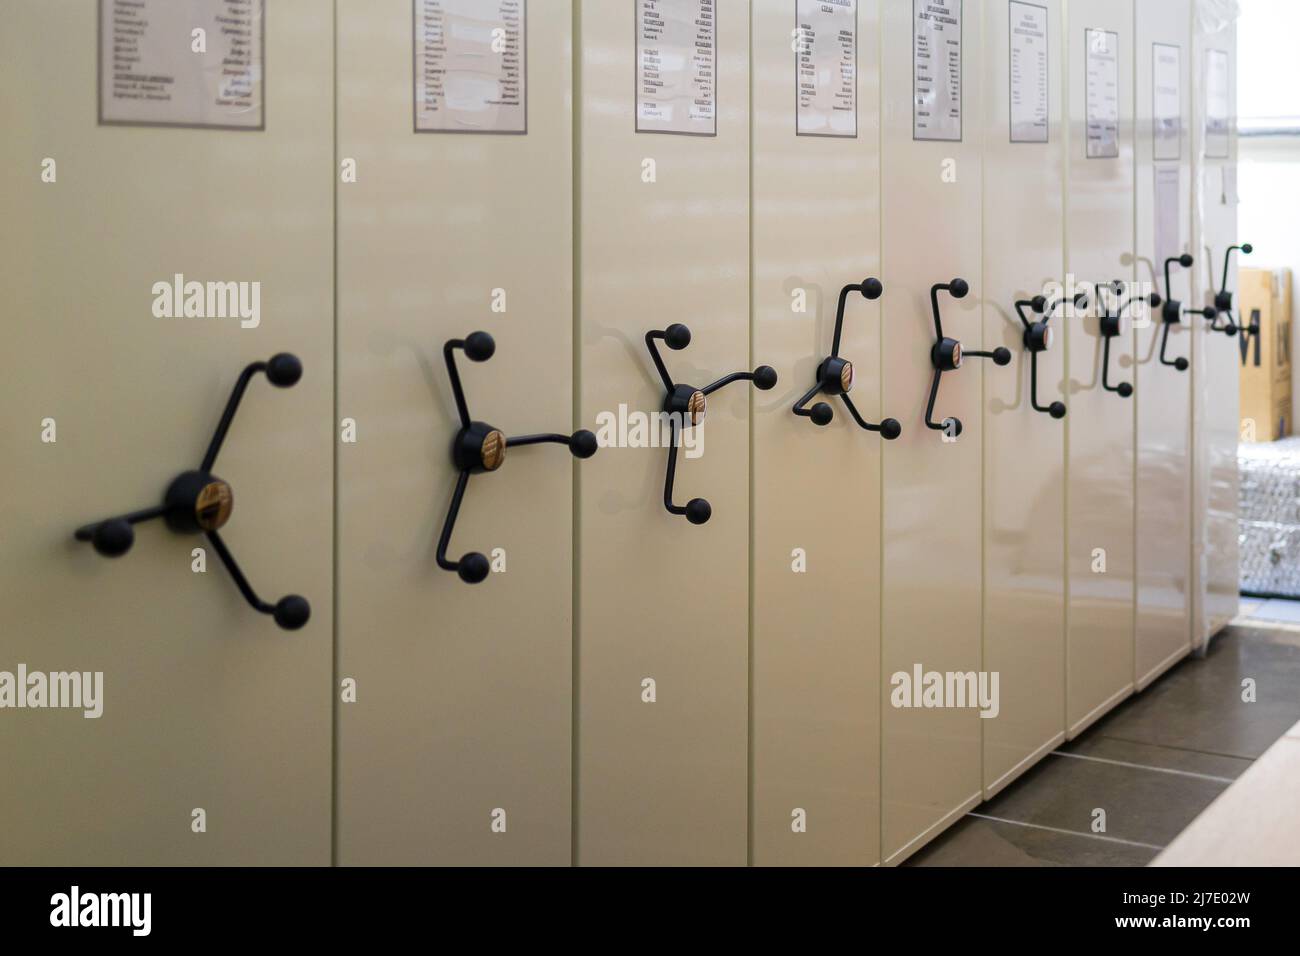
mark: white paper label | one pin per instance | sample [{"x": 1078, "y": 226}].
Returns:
[
  {"x": 1168, "y": 213},
  {"x": 826, "y": 67},
  {"x": 181, "y": 62},
  {"x": 1028, "y": 66},
  {"x": 1217, "y": 107},
  {"x": 936, "y": 70},
  {"x": 1166, "y": 100},
  {"x": 1102, "y": 48},
  {"x": 470, "y": 66},
  {"x": 676, "y": 66},
  {"x": 1230, "y": 195}
]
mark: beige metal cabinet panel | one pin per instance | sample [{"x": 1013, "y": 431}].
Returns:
[
  {"x": 207, "y": 705},
  {"x": 659, "y": 599},
  {"x": 816, "y": 623},
  {"x": 1163, "y": 394},
  {"x": 932, "y": 517},
  {"x": 1217, "y": 411},
  {"x": 457, "y": 749},
  {"x": 1024, "y": 449},
  {"x": 1100, "y": 426}
]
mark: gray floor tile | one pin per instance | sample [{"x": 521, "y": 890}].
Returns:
[
  {"x": 1192, "y": 720},
  {"x": 1094, "y": 744},
  {"x": 1197, "y": 705},
  {"x": 976, "y": 842},
  {"x": 1142, "y": 806}
]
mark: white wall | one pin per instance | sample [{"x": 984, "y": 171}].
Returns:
[{"x": 1268, "y": 85}]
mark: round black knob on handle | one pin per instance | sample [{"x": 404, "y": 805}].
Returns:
[
  {"x": 821, "y": 413},
  {"x": 473, "y": 567},
  {"x": 113, "y": 538},
  {"x": 292, "y": 612},
  {"x": 479, "y": 346},
  {"x": 583, "y": 444},
  {"x": 698, "y": 511},
  {"x": 284, "y": 370}
]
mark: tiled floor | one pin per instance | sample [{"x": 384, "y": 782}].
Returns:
[{"x": 1152, "y": 764}]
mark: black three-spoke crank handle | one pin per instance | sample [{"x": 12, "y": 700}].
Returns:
[
  {"x": 113, "y": 537},
  {"x": 478, "y": 447}
]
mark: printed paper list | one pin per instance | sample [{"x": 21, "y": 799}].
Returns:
[
  {"x": 197, "y": 63},
  {"x": 676, "y": 65},
  {"x": 470, "y": 66},
  {"x": 826, "y": 62}
]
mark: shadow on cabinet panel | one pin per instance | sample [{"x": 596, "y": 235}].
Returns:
[
  {"x": 1026, "y": 307},
  {"x": 662, "y": 656},
  {"x": 212, "y": 743},
  {"x": 1163, "y": 390},
  {"x": 816, "y": 645},
  {"x": 1100, "y": 427},
  {"x": 457, "y": 748},
  {"x": 932, "y": 486}
]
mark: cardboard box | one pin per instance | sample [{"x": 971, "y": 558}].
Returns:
[
  {"x": 1282, "y": 326},
  {"x": 1265, "y": 304}
]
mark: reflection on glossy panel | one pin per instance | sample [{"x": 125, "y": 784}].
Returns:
[
  {"x": 932, "y": 507},
  {"x": 1217, "y": 371},
  {"x": 1026, "y": 308},
  {"x": 1099, "y": 43},
  {"x": 1163, "y": 347},
  {"x": 457, "y": 748},
  {"x": 213, "y": 742},
  {"x": 662, "y": 639},
  {"x": 816, "y": 554}
]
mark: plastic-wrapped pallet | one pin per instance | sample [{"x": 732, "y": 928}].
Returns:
[{"x": 1270, "y": 517}]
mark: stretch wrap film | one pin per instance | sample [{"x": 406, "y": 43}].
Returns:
[{"x": 1270, "y": 517}]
